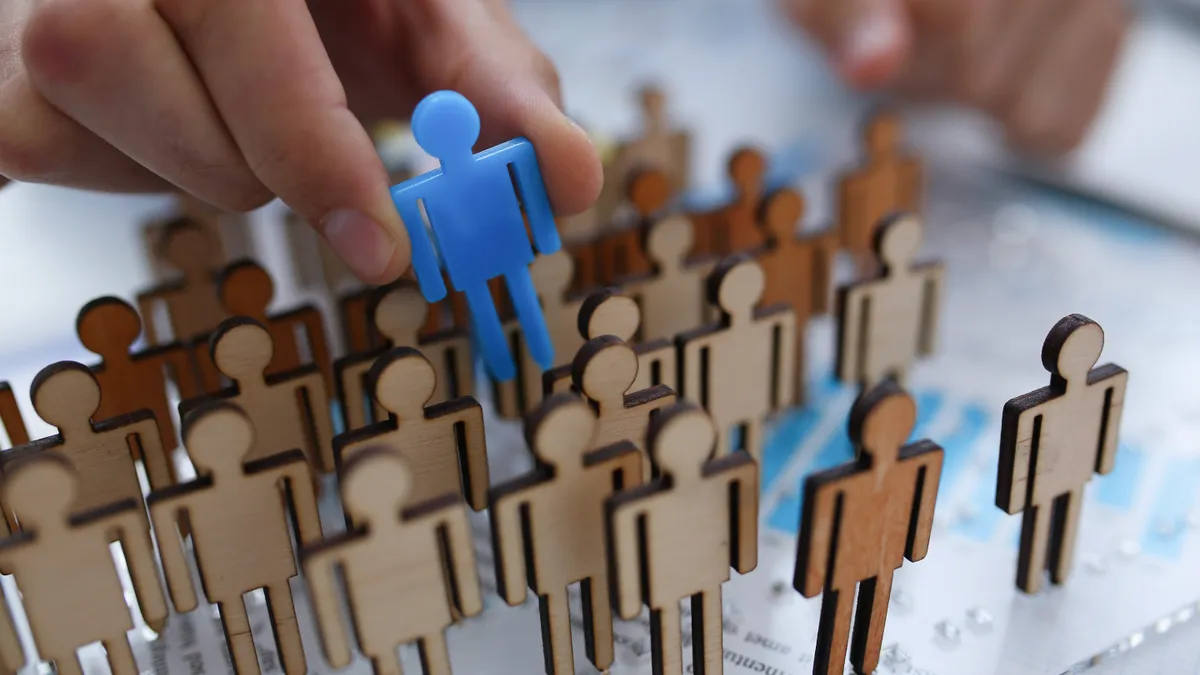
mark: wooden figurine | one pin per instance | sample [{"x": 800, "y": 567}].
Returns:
[
  {"x": 247, "y": 290},
  {"x": 798, "y": 269},
  {"x": 734, "y": 227},
  {"x": 888, "y": 181},
  {"x": 548, "y": 527},
  {"x": 552, "y": 278},
  {"x": 659, "y": 147},
  {"x": 66, "y": 395},
  {"x": 607, "y": 312},
  {"x": 858, "y": 523},
  {"x": 408, "y": 569},
  {"x": 10, "y": 417},
  {"x": 132, "y": 381},
  {"x": 672, "y": 298},
  {"x": 740, "y": 368},
  {"x": 399, "y": 315},
  {"x": 444, "y": 444},
  {"x": 193, "y": 305},
  {"x": 228, "y": 230},
  {"x": 886, "y": 322},
  {"x": 1051, "y": 442},
  {"x": 237, "y": 512},
  {"x": 289, "y": 410},
  {"x": 64, "y": 568},
  {"x": 357, "y": 308},
  {"x": 621, "y": 254},
  {"x": 677, "y": 537}
]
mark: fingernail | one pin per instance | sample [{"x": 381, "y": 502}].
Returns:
[
  {"x": 871, "y": 37},
  {"x": 362, "y": 243}
]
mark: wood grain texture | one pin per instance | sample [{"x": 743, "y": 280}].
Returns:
[
  {"x": 62, "y": 564},
  {"x": 399, "y": 316},
  {"x": 887, "y": 322},
  {"x": 10, "y": 417},
  {"x": 672, "y": 298},
  {"x": 192, "y": 303},
  {"x": 228, "y": 230},
  {"x": 129, "y": 380},
  {"x": 443, "y": 445},
  {"x": 237, "y": 512},
  {"x": 288, "y": 410},
  {"x": 733, "y": 228},
  {"x": 1052, "y": 440},
  {"x": 859, "y": 521},
  {"x": 66, "y": 396},
  {"x": 740, "y": 369},
  {"x": 677, "y": 537},
  {"x": 548, "y": 527},
  {"x": 409, "y": 572}
]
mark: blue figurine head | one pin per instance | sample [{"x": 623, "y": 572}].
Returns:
[{"x": 446, "y": 125}]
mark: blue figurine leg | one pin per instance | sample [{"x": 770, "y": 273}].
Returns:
[
  {"x": 529, "y": 313},
  {"x": 489, "y": 333}
]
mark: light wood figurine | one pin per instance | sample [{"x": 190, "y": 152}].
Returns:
[
  {"x": 444, "y": 443},
  {"x": 409, "y": 571},
  {"x": 858, "y": 523},
  {"x": 192, "y": 303},
  {"x": 64, "y": 568},
  {"x": 399, "y": 315},
  {"x": 289, "y": 410},
  {"x": 10, "y": 417},
  {"x": 1051, "y": 442},
  {"x": 548, "y": 527},
  {"x": 740, "y": 369},
  {"x": 885, "y": 323},
  {"x": 66, "y": 395},
  {"x": 672, "y": 298},
  {"x": 677, "y": 537},
  {"x": 237, "y": 513}
]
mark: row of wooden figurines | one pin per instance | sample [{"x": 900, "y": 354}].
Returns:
[{"x": 606, "y": 517}]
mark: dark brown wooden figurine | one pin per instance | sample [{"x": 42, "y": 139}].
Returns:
[
  {"x": 10, "y": 417},
  {"x": 677, "y": 537},
  {"x": 64, "y": 568},
  {"x": 859, "y": 521},
  {"x": 409, "y": 570},
  {"x": 192, "y": 303},
  {"x": 237, "y": 513},
  {"x": 734, "y": 228},
  {"x": 444, "y": 444},
  {"x": 548, "y": 527},
  {"x": 1051, "y": 442}
]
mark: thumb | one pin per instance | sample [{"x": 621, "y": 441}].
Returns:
[{"x": 868, "y": 40}]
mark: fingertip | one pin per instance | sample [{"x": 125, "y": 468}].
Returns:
[
  {"x": 571, "y": 168},
  {"x": 874, "y": 50}
]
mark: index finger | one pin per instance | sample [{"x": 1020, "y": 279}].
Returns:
[{"x": 272, "y": 82}]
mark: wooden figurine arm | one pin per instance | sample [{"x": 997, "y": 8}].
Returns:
[
  {"x": 147, "y": 302},
  {"x": 319, "y": 412},
  {"x": 349, "y": 373},
  {"x": 927, "y": 473},
  {"x": 1110, "y": 433},
  {"x": 785, "y": 384},
  {"x": 12, "y": 655},
  {"x": 319, "y": 567},
  {"x": 930, "y": 310},
  {"x": 165, "y": 514},
  {"x": 318, "y": 345},
  {"x": 743, "y": 516},
  {"x": 816, "y": 539},
  {"x": 158, "y": 465},
  {"x": 629, "y": 465},
  {"x": 301, "y": 487},
  {"x": 135, "y": 541},
  {"x": 472, "y": 453},
  {"x": 849, "y": 333},
  {"x": 850, "y": 215},
  {"x": 693, "y": 366},
  {"x": 464, "y": 369},
  {"x": 824, "y": 252},
  {"x": 625, "y": 553},
  {"x": 508, "y": 544},
  {"x": 1017, "y": 437},
  {"x": 10, "y": 417},
  {"x": 462, "y": 561},
  {"x": 182, "y": 370}
]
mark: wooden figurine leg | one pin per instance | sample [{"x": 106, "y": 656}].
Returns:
[
  {"x": 388, "y": 664},
  {"x": 1062, "y": 544},
  {"x": 435, "y": 659},
  {"x": 120, "y": 656},
  {"x": 67, "y": 664},
  {"x": 665, "y": 644},
  {"x": 708, "y": 649},
  {"x": 287, "y": 631},
  {"x": 833, "y": 633},
  {"x": 238, "y": 637},
  {"x": 556, "y": 634},
  {"x": 597, "y": 621},
  {"x": 753, "y": 441},
  {"x": 724, "y": 440},
  {"x": 869, "y": 620},
  {"x": 1035, "y": 535}
]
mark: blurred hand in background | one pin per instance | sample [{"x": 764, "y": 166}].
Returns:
[
  {"x": 1040, "y": 67},
  {"x": 237, "y": 102}
]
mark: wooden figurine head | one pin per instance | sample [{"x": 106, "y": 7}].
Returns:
[
  {"x": 246, "y": 289},
  {"x": 736, "y": 286},
  {"x": 681, "y": 440},
  {"x": 559, "y": 432},
  {"x": 400, "y": 314},
  {"x": 375, "y": 485},
  {"x": 242, "y": 349},
  {"x": 403, "y": 381},
  {"x": 42, "y": 489},
  {"x": 669, "y": 241},
  {"x": 882, "y": 134},
  {"x": 779, "y": 213},
  {"x": 1072, "y": 348},
  {"x": 649, "y": 192},
  {"x": 604, "y": 369},
  {"x": 747, "y": 168},
  {"x": 607, "y": 312},
  {"x": 189, "y": 247},
  {"x": 897, "y": 240},
  {"x": 881, "y": 422},
  {"x": 218, "y": 436},
  {"x": 108, "y": 326},
  {"x": 66, "y": 395},
  {"x": 552, "y": 275}
]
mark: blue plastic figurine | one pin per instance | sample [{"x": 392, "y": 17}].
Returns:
[{"x": 475, "y": 218}]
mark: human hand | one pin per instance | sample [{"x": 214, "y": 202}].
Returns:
[
  {"x": 236, "y": 102},
  {"x": 1040, "y": 67}
]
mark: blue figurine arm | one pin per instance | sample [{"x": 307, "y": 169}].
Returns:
[
  {"x": 533, "y": 197},
  {"x": 424, "y": 258}
]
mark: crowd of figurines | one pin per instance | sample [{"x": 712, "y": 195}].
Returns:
[{"x": 678, "y": 334}]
